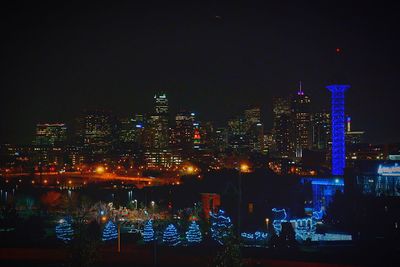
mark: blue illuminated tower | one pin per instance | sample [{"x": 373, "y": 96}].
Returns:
[{"x": 338, "y": 128}]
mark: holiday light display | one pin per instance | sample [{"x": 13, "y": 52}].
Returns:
[
  {"x": 148, "y": 232},
  {"x": 256, "y": 236},
  {"x": 220, "y": 226},
  {"x": 304, "y": 227},
  {"x": 170, "y": 236},
  {"x": 193, "y": 235},
  {"x": 110, "y": 231},
  {"x": 64, "y": 230},
  {"x": 280, "y": 216}
]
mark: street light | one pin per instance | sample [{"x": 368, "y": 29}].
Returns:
[
  {"x": 267, "y": 223},
  {"x": 100, "y": 169},
  {"x": 242, "y": 168},
  {"x": 190, "y": 169}
]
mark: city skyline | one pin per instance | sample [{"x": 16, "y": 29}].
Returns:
[
  {"x": 207, "y": 56},
  {"x": 199, "y": 133}
]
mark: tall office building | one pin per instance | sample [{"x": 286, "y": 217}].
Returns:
[
  {"x": 161, "y": 103},
  {"x": 220, "y": 140},
  {"x": 283, "y": 128},
  {"x": 49, "y": 143},
  {"x": 130, "y": 135},
  {"x": 237, "y": 129},
  {"x": 301, "y": 112},
  {"x": 98, "y": 132},
  {"x": 157, "y": 128},
  {"x": 321, "y": 125},
  {"x": 252, "y": 116},
  {"x": 130, "y": 129},
  {"x": 183, "y": 134},
  {"x": 254, "y": 129},
  {"x": 157, "y": 135},
  {"x": 50, "y": 134}
]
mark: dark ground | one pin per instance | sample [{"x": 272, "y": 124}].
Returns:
[{"x": 133, "y": 255}]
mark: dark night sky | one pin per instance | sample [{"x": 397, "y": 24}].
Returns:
[{"x": 216, "y": 59}]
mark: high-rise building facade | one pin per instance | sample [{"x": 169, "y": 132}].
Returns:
[
  {"x": 50, "y": 134},
  {"x": 183, "y": 134},
  {"x": 99, "y": 133},
  {"x": 283, "y": 128},
  {"x": 321, "y": 125},
  {"x": 157, "y": 135},
  {"x": 301, "y": 112},
  {"x": 220, "y": 140},
  {"x": 254, "y": 129},
  {"x": 161, "y": 103},
  {"x": 237, "y": 129},
  {"x": 157, "y": 127}
]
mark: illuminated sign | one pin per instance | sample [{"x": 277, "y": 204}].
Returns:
[{"x": 389, "y": 170}]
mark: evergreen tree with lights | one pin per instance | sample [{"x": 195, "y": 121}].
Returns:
[
  {"x": 170, "y": 236},
  {"x": 110, "y": 231},
  {"x": 64, "y": 230},
  {"x": 221, "y": 225},
  {"x": 148, "y": 232},
  {"x": 193, "y": 235}
]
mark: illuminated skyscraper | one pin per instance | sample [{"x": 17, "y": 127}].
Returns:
[
  {"x": 338, "y": 128},
  {"x": 158, "y": 124},
  {"x": 130, "y": 132},
  {"x": 220, "y": 139},
  {"x": 50, "y": 134},
  {"x": 283, "y": 128},
  {"x": 253, "y": 115},
  {"x": 321, "y": 125},
  {"x": 156, "y": 134},
  {"x": 161, "y": 103},
  {"x": 237, "y": 129},
  {"x": 255, "y": 129},
  {"x": 183, "y": 134},
  {"x": 99, "y": 130},
  {"x": 301, "y": 113}
]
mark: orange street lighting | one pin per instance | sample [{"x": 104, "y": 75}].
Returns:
[
  {"x": 244, "y": 167},
  {"x": 100, "y": 169}
]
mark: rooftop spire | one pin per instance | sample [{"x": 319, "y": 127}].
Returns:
[{"x": 300, "y": 92}]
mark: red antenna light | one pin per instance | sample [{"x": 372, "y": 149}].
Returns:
[{"x": 338, "y": 50}]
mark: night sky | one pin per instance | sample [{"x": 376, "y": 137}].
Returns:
[{"x": 215, "y": 59}]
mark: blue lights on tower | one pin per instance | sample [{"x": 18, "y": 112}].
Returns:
[{"x": 338, "y": 128}]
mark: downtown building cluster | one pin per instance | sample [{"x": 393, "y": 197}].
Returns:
[{"x": 165, "y": 141}]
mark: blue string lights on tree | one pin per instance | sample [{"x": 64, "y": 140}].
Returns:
[
  {"x": 221, "y": 225},
  {"x": 193, "y": 235},
  {"x": 170, "y": 236},
  {"x": 148, "y": 231},
  {"x": 110, "y": 231},
  {"x": 64, "y": 230}
]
